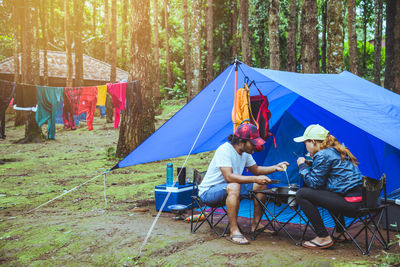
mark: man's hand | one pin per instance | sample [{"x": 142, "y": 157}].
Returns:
[
  {"x": 262, "y": 179},
  {"x": 301, "y": 160},
  {"x": 280, "y": 167}
]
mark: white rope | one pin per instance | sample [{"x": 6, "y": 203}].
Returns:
[
  {"x": 184, "y": 164},
  {"x": 76, "y": 187}
]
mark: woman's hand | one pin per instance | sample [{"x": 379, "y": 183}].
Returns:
[
  {"x": 301, "y": 160},
  {"x": 280, "y": 167}
]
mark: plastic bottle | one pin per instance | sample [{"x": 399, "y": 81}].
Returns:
[{"x": 170, "y": 174}]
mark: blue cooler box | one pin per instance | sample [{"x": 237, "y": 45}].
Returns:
[{"x": 180, "y": 194}]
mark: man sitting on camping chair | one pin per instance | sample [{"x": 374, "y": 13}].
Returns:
[{"x": 224, "y": 180}]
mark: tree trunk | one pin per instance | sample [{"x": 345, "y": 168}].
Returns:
[
  {"x": 187, "y": 51},
  {"x": 234, "y": 29},
  {"x": 43, "y": 22},
  {"x": 125, "y": 34},
  {"x": 16, "y": 42},
  {"x": 209, "y": 41},
  {"x": 157, "y": 54},
  {"x": 195, "y": 51},
  {"x": 309, "y": 37},
  {"x": 244, "y": 16},
  {"x": 273, "y": 30},
  {"x": 323, "y": 41},
  {"x": 260, "y": 50},
  {"x": 351, "y": 23},
  {"x": 107, "y": 31},
  {"x": 168, "y": 63},
  {"x": 389, "y": 41},
  {"x": 78, "y": 18},
  {"x": 138, "y": 124},
  {"x": 335, "y": 37},
  {"x": 396, "y": 48},
  {"x": 378, "y": 42},
  {"x": 113, "y": 56},
  {"x": 32, "y": 131},
  {"x": 69, "y": 82},
  {"x": 94, "y": 25},
  {"x": 291, "y": 46}
]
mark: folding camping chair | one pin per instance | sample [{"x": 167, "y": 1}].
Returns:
[
  {"x": 207, "y": 210},
  {"x": 370, "y": 216}
]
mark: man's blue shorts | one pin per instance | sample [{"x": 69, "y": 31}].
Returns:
[{"x": 217, "y": 193}]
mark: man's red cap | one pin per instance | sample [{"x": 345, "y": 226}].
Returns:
[{"x": 249, "y": 132}]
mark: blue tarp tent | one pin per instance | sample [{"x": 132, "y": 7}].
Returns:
[{"x": 362, "y": 115}]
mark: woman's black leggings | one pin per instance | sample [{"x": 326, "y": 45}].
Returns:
[{"x": 309, "y": 199}]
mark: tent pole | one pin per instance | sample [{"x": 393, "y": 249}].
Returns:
[{"x": 234, "y": 101}]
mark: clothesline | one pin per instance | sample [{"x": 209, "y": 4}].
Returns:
[{"x": 44, "y": 100}]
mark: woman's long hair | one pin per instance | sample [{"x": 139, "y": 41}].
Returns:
[{"x": 331, "y": 141}]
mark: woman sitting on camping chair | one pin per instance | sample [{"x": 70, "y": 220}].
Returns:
[{"x": 333, "y": 182}]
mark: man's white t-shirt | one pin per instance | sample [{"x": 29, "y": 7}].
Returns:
[{"x": 225, "y": 156}]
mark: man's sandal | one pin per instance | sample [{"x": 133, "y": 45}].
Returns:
[{"x": 234, "y": 240}]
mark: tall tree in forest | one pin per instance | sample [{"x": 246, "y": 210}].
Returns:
[
  {"x": 351, "y": 24},
  {"x": 157, "y": 55},
  {"x": 323, "y": 34},
  {"x": 124, "y": 35},
  {"x": 378, "y": 41},
  {"x": 389, "y": 43},
  {"x": 366, "y": 14},
  {"x": 261, "y": 22},
  {"x": 195, "y": 50},
  {"x": 32, "y": 131},
  {"x": 291, "y": 46},
  {"x": 309, "y": 37},
  {"x": 35, "y": 68},
  {"x": 43, "y": 23},
  {"x": 107, "y": 31},
  {"x": 113, "y": 52},
  {"x": 186, "y": 56},
  {"x": 234, "y": 22},
  {"x": 335, "y": 37},
  {"x": 209, "y": 18},
  {"x": 16, "y": 39},
  {"x": 273, "y": 30},
  {"x": 78, "y": 18},
  {"x": 167, "y": 51},
  {"x": 67, "y": 30},
  {"x": 138, "y": 121},
  {"x": 396, "y": 49},
  {"x": 94, "y": 24},
  {"x": 244, "y": 17}
]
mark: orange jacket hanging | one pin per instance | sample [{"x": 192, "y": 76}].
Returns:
[{"x": 243, "y": 110}]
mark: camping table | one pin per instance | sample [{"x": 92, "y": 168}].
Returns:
[{"x": 286, "y": 200}]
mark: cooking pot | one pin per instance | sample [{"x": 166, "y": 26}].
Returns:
[{"x": 291, "y": 189}]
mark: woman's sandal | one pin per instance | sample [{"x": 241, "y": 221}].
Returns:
[{"x": 317, "y": 246}]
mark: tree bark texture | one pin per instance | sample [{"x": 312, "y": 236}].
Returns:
[
  {"x": 67, "y": 15},
  {"x": 389, "y": 43},
  {"x": 351, "y": 24},
  {"x": 157, "y": 55},
  {"x": 113, "y": 52},
  {"x": 209, "y": 17},
  {"x": 167, "y": 54},
  {"x": 291, "y": 46},
  {"x": 260, "y": 50},
  {"x": 246, "y": 47},
  {"x": 195, "y": 51},
  {"x": 35, "y": 69},
  {"x": 335, "y": 37},
  {"x": 78, "y": 18},
  {"x": 107, "y": 31},
  {"x": 124, "y": 35},
  {"x": 273, "y": 30},
  {"x": 43, "y": 22},
  {"x": 396, "y": 49},
  {"x": 138, "y": 124},
  {"x": 94, "y": 23},
  {"x": 378, "y": 41},
  {"x": 309, "y": 37}
]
